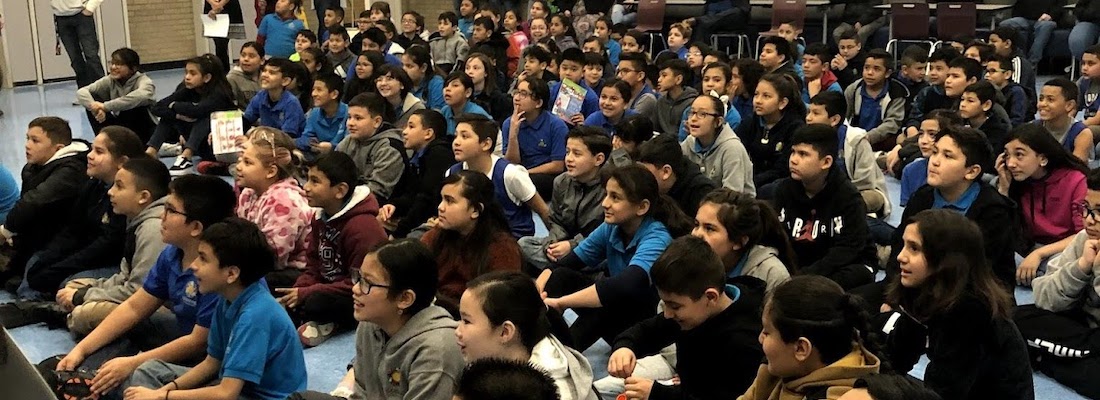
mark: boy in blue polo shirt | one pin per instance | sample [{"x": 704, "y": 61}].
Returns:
[
  {"x": 253, "y": 350},
  {"x": 326, "y": 124},
  {"x": 273, "y": 105},
  {"x": 194, "y": 202},
  {"x": 571, "y": 67},
  {"x": 279, "y": 29},
  {"x": 534, "y": 137},
  {"x": 457, "y": 90}
]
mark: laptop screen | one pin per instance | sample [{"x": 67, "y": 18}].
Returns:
[{"x": 18, "y": 376}]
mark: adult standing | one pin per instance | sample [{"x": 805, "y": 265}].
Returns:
[
  {"x": 719, "y": 14},
  {"x": 1036, "y": 20},
  {"x": 1087, "y": 29},
  {"x": 236, "y": 27},
  {"x": 75, "y": 24}
]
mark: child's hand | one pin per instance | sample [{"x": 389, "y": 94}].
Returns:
[
  {"x": 555, "y": 251},
  {"x": 1004, "y": 177},
  {"x": 1088, "y": 259},
  {"x": 71, "y": 361},
  {"x": 321, "y": 148},
  {"x": 100, "y": 115},
  {"x": 140, "y": 393},
  {"x": 839, "y": 62},
  {"x": 577, "y": 120},
  {"x": 65, "y": 298},
  {"x": 543, "y": 277},
  {"x": 638, "y": 388},
  {"x": 1026, "y": 271},
  {"x": 386, "y": 212},
  {"x": 892, "y": 158},
  {"x": 112, "y": 373},
  {"x": 289, "y": 298},
  {"x": 622, "y": 363},
  {"x": 518, "y": 117},
  {"x": 911, "y": 131}
]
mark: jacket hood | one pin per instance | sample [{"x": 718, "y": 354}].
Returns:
[
  {"x": 290, "y": 184},
  {"x": 386, "y": 131},
  {"x": 425, "y": 321},
  {"x": 561, "y": 362},
  {"x": 238, "y": 72},
  {"x": 843, "y": 372},
  {"x": 154, "y": 210},
  {"x": 408, "y": 103},
  {"x": 361, "y": 202},
  {"x": 77, "y": 147},
  {"x": 760, "y": 253},
  {"x": 827, "y": 78}
]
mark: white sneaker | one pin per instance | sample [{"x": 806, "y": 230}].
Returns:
[
  {"x": 182, "y": 166},
  {"x": 169, "y": 150}
]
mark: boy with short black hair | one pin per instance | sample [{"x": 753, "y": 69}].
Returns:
[
  {"x": 676, "y": 96},
  {"x": 474, "y": 141},
  {"x": 1057, "y": 109},
  {"x": 911, "y": 71},
  {"x": 571, "y": 67},
  {"x": 278, "y": 30},
  {"x": 502, "y": 379},
  {"x": 594, "y": 64},
  {"x": 1003, "y": 41},
  {"x": 535, "y": 61},
  {"x": 961, "y": 72},
  {"x": 705, "y": 318},
  {"x": 302, "y": 41},
  {"x": 632, "y": 69},
  {"x": 449, "y": 47},
  {"x": 876, "y": 102},
  {"x": 412, "y": 30},
  {"x": 376, "y": 146},
  {"x": 375, "y": 39},
  {"x": 457, "y": 89},
  {"x": 485, "y": 39},
  {"x": 578, "y": 193},
  {"x": 363, "y": 22},
  {"x": 253, "y": 349},
  {"x": 1088, "y": 87},
  {"x": 976, "y": 108},
  {"x": 931, "y": 97},
  {"x": 274, "y": 106},
  {"x": 676, "y": 176},
  {"x": 1021, "y": 107},
  {"x": 817, "y": 77},
  {"x": 425, "y": 136},
  {"x": 823, "y": 212},
  {"x": 339, "y": 56},
  {"x": 334, "y": 16},
  {"x": 326, "y": 123},
  {"x": 855, "y": 155},
  {"x": 848, "y": 62}
]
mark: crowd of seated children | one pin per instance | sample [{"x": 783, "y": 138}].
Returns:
[
  {"x": 252, "y": 349},
  {"x": 345, "y": 229},
  {"x": 676, "y": 176},
  {"x": 52, "y": 178},
  {"x": 823, "y": 212},
  {"x": 951, "y": 307},
  {"x": 778, "y": 112},
  {"x": 712, "y": 144},
  {"x": 138, "y": 193},
  {"x": 367, "y": 67},
  {"x": 503, "y": 317},
  {"x": 534, "y": 137},
  {"x": 578, "y": 194},
  {"x": 876, "y": 102},
  {"x": 186, "y": 112},
  {"x": 244, "y": 78},
  {"x": 638, "y": 224},
  {"x": 90, "y": 239},
  {"x": 1003, "y": 41},
  {"x": 432, "y": 156},
  {"x": 1057, "y": 110},
  {"x": 376, "y": 146},
  {"x": 1045, "y": 180},
  {"x": 486, "y": 89},
  {"x": 271, "y": 198},
  {"x": 136, "y": 332},
  {"x": 123, "y": 97}
]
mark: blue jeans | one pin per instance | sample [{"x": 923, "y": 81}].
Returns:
[
  {"x": 620, "y": 16},
  {"x": 1083, "y": 35},
  {"x": 77, "y": 34},
  {"x": 1043, "y": 30},
  {"x": 26, "y": 292}
]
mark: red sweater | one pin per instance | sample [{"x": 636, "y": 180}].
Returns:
[
  {"x": 1047, "y": 205},
  {"x": 457, "y": 269},
  {"x": 340, "y": 242}
]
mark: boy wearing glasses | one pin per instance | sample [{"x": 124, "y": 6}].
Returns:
[
  {"x": 1021, "y": 108},
  {"x": 631, "y": 68},
  {"x": 194, "y": 202},
  {"x": 1064, "y": 318}
]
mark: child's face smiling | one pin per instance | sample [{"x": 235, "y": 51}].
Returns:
[
  {"x": 538, "y": 29},
  {"x": 271, "y": 78},
  {"x": 593, "y": 74},
  {"x": 209, "y": 272},
  {"x": 337, "y": 44},
  {"x": 408, "y": 24},
  {"x": 1052, "y": 105},
  {"x": 363, "y": 67},
  {"x": 579, "y": 160},
  {"x": 612, "y": 103},
  {"x": 937, "y": 72},
  {"x": 361, "y": 124}
]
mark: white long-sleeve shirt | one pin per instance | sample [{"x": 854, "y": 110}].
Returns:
[{"x": 64, "y": 8}]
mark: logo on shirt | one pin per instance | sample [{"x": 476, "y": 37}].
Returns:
[
  {"x": 542, "y": 143},
  {"x": 191, "y": 290},
  {"x": 807, "y": 230}
]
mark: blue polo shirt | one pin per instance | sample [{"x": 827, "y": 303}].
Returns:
[
  {"x": 279, "y": 35},
  {"x": 430, "y": 91},
  {"x": 540, "y": 141},
  {"x": 913, "y": 176},
  {"x": 597, "y": 119},
  {"x": 469, "y": 108},
  {"x": 285, "y": 114},
  {"x": 9, "y": 193},
  {"x": 606, "y": 244},
  {"x": 962, "y": 205},
  {"x": 870, "y": 110},
  {"x": 168, "y": 281},
  {"x": 591, "y": 102},
  {"x": 256, "y": 342},
  {"x": 614, "y": 49},
  {"x": 324, "y": 129}
]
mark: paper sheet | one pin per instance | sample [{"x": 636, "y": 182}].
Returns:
[{"x": 218, "y": 28}]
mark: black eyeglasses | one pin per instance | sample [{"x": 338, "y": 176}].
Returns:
[
  {"x": 364, "y": 285},
  {"x": 1087, "y": 212},
  {"x": 169, "y": 210}
]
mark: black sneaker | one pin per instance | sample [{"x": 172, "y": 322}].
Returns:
[
  {"x": 182, "y": 166},
  {"x": 21, "y": 313}
]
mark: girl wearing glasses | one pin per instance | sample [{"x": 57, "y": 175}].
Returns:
[
  {"x": 1046, "y": 180},
  {"x": 712, "y": 144},
  {"x": 717, "y": 81}
]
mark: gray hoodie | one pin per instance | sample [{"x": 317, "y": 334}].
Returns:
[
  {"x": 569, "y": 368},
  {"x": 380, "y": 163},
  {"x": 138, "y": 91},
  {"x": 668, "y": 112},
  {"x": 1065, "y": 287},
  {"x": 726, "y": 161},
  {"x": 147, "y": 247},
  {"x": 244, "y": 86},
  {"x": 763, "y": 263},
  {"x": 862, "y": 169},
  {"x": 421, "y": 361},
  {"x": 408, "y": 106},
  {"x": 449, "y": 50}
]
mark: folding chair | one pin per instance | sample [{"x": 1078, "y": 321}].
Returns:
[
  {"x": 953, "y": 20},
  {"x": 651, "y": 20},
  {"x": 784, "y": 11},
  {"x": 908, "y": 24},
  {"x": 742, "y": 39}
]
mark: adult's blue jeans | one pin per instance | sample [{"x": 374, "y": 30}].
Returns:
[
  {"x": 1039, "y": 32},
  {"x": 1083, "y": 35},
  {"x": 77, "y": 34}
]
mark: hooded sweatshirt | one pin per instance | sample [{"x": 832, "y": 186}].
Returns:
[
  {"x": 449, "y": 50},
  {"x": 428, "y": 167},
  {"x": 421, "y": 361},
  {"x": 284, "y": 216},
  {"x": 143, "y": 247},
  {"x": 763, "y": 263},
  {"x": 340, "y": 242},
  {"x": 569, "y": 369},
  {"x": 725, "y": 161},
  {"x": 769, "y": 149},
  {"x": 410, "y": 104},
  {"x": 1047, "y": 205},
  {"x": 244, "y": 86},
  {"x": 668, "y": 111},
  {"x": 576, "y": 209},
  {"x": 833, "y": 381},
  {"x": 137, "y": 91},
  {"x": 46, "y": 188},
  {"x": 380, "y": 158},
  {"x": 859, "y": 163},
  {"x": 1066, "y": 288}
]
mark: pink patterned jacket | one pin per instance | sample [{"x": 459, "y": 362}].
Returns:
[{"x": 284, "y": 216}]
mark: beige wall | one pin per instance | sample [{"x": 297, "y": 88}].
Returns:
[{"x": 162, "y": 30}]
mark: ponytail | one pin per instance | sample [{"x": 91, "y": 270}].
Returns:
[
  {"x": 774, "y": 234},
  {"x": 817, "y": 309},
  {"x": 639, "y": 185},
  {"x": 754, "y": 219},
  {"x": 669, "y": 213}
]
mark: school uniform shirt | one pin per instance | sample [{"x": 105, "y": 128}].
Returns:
[
  {"x": 1021, "y": 109},
  {"x": 430, "y": 90},
  {"x": 178, "y": 287},
  {"x": 540, "y": 141},
  {"x": 420, "y": 361},
  {"x": 769, "y": 149},
  {"x": 913, "y": 177},
  {"x": 829, "y": 230},
  {"x": 323, "y": 128},
  {"x": 597, "y": 119},
  {"x": 730, "y": 336},
  {"x": 513, "y": 189},
  {"x": 278, "y": 34},
  {"x": 428, "y": 167},
  {"x": 927, "y": 100},
  {"x": 628, "y": 264},
  {"x": 381, "y": 160},
  {"x": 468, "y": 107},
  {"x": 256, "y": 342},
  {"x": 284, "y": 114},
  {"x": 1048, "y": 204},
  {"x": 591, "y": 104},
  {"x": 284, "y": 216},
  {"x": 831, "y": 382},
  {"x": 340, "y": 242},
  {"x": 881, "y": 116},
  {"x": 1089, "y": 92},
  {"x": 725, "y": 160}
]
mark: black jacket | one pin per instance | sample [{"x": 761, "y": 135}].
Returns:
[
  {"x": 853, "y": 72},
  {"x": 47, "y": 190},
  {"x": 496, "y": 47},
  {"x": 769, "y": 149},
  {"x": 93, "y": 237},
  {"x": 417, "y": 205},
  {"x": 690, "y": 188},
  {"x": 1087, "y": 11},
  {"x": 995, "y": 215},
  {"x": 828, "y": 231},
  {"x": 728, "y": 338},
  {"x": 405, "y": 42},
  {"x": 971, "y": 354},
  {"x": 995, "y": 128},
  {"x": 191, "y": 103},
  {"x": 496, "y": 103}
]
